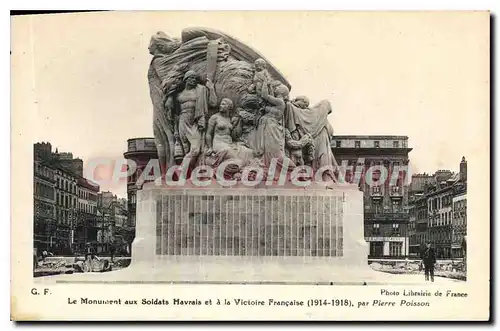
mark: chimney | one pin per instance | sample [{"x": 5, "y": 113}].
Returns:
[{"x": 463, "y": 170}]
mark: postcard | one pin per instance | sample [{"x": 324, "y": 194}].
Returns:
[{"x": 284, "y": 165}]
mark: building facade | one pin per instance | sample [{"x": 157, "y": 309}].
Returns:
[
  {"x": 86, "y": 226},
  {"x": 69, "y": 211},
  {"x": 439, "y": 213},
  {"x": 66, "y": 207},
  {"x": 106, "y": 220},
  {"x": 122, "y": 234},
  {"x": 139, "y": 150},
  {"x": 459, "y": 225},
  {"x": 385, "y": 188},
  {"x": 44, "y": 199},
  {"x": 418, "y": 212},
  {"x": 459, "y": 230},
  {"x": 439, "y": 203}
]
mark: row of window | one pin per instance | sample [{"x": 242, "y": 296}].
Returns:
[
  {"x": 43, "y": 209},
  {"x": 44, "y": 171},
  {"x": 44, "y": 191},
  {"x": 377, "y": 248},
  {"x": 462, "y": 204},
  {"x": 420, "y": 215},
  {"x": 447, "y": 220},
  {"x": 87, "y": 195},
  {"x": 395, "y": 248},
  {"x": 422, "y": 237},
  {"x": 66, "y": 201},
  {"x": 458, "y": 237},
  {"x": 357, "y": 144},
  {"x": 395, "y": 230},
  {"x": 46, "y": 210},
  {"x": 132, "y": 197},
  {"x": 434, "y": 237},
  {"x": 378, "y": 208},
  {"x": 440, "y": 202},
  {"x": 64, "y": 184},
  {"x": 460, "y": 221},
  {"x": 440, "y": 236},
  {"x": 63, "y": 217},
  {"x": 393, "y": 189},
  {"x": 87, "y": 208},
  {"x": 441, "y": 219}
]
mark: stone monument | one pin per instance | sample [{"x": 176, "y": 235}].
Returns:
[{"x": 257, "y": 215}]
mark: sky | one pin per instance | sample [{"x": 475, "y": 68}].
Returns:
[{"x": 421, "y": 75}]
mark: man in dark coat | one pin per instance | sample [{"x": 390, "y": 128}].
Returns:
[{"x": 428, "y": 259}]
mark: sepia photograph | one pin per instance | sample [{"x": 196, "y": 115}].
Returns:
[{"x": 188, "y": 165}]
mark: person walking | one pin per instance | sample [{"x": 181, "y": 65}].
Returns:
[{"x": 428, "y": 259}]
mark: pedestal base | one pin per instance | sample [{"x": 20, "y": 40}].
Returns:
[{"x": 247, "y": 234}]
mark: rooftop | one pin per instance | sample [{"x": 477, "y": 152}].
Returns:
[{"x": 377, "y": 137}]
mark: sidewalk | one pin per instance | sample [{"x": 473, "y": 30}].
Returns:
[{"x": 253, "y": 272}]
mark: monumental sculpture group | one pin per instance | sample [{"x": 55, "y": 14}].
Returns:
[{"x": 217, "y": 100}]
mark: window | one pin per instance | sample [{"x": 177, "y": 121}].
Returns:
[
  {"x": 395, "y": 248},
  {"x": 395, "y": 144},
  {"x": 338, "y": 144},
  {"x": 376, "y": 228},
  {"x": 395, "y": 229},
  {"x": 377, "y": 144},
  {"x": 395, "y": 206},
  {"x": 357, "y": 144}
]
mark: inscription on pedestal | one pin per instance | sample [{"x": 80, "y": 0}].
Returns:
[{"x": 249, "y": 224}]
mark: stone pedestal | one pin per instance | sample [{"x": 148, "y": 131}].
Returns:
[{"x": 245, "y": 234}]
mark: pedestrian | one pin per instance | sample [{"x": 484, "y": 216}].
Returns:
[{"x": 428, "y": 259}]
